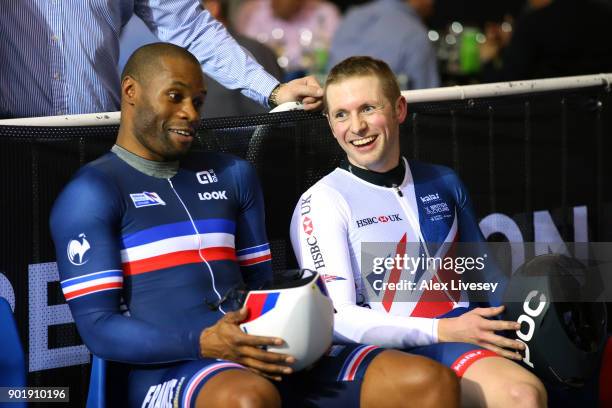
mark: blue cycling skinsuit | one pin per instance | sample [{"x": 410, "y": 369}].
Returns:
[
  {"x": 429, "y": 207},
  {"x": 147, "y": 253}
]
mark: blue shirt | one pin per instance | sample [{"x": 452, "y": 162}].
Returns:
[
  {"x": 60, "y": 56},
  {"x": 164, "y": 248},
  {"x": 389, "y": 30}
]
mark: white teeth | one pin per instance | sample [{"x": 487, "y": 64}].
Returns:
[
  {"x": 361, "y": 142},
  {"x": 181, "y": 132}
]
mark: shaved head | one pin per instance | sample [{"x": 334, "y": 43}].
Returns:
[
  {"x": 162, "y": 94},
  {"x": 146, "y": 60}
]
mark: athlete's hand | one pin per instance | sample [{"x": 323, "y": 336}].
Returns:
[
  {"x": 225, "y": 340},
  {"x": 306, "y": 90},
  {"x": 475, "y": 327}
]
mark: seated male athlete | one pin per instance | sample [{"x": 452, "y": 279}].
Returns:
[
  {"x": 365, "y": 108},
  {"x": 166, "y": 241}
]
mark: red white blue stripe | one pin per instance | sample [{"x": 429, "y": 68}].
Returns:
[
  {"x": 175, "y": 244},
  {"x": 92, "y": 283},
  {"x": 354, "y": 361},
  {"x": 258, "y": 304},
  {"x": 254, "y": 255},
  {"x": 201, "y": 377}
]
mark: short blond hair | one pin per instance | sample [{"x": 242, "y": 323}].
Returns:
[{"x": 360, "y": 66}]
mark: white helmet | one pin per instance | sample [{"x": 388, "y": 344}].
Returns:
[{"x": 300, "y": 312}]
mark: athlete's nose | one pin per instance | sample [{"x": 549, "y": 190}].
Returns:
[
  {"x": 357, "y": 123},
  {"x": 189, "y": 111}
]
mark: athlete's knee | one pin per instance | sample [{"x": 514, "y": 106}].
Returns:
[
  {"x": 528, "y": 394},
  {"x": 434, "y": 379},
  {"x": 415, "y": 377},
  {"x": 240, "y": 390},
  {"x": 254, "y": 394}
]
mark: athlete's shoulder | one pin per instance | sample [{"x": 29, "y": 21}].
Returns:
[
  {"x": 325, "y": 198},
  {"x": 94, "y": 177},
  {"x": 91, "y": 187},
  {"x": 329, "y": 185},
  {"x": 425, "y": 173},
  {"x": 422, "y": 171},
  {"x": 217, "y": 162},
  {"x": 441, "y": 179}
]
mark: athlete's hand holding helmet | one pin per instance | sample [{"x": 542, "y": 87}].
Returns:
[
  {"x": 289, "y": 328},
  {"x": 227, "y": 341}
]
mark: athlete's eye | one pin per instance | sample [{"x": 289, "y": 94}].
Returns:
[
  {"x": 368, "y": 108},
  {"x": 175, "y": 96},
  {"x": 340, "y": 116},
  {"x": 197, "y": 103},
  {"x": 371, "y": 108}
]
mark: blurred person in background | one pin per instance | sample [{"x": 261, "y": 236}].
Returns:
[
  {"x": 230, "y": 102},
  {"x": 61, "y": 57},
  {"x": 393, "y": 31},
  {"x": 298, "y": 30},
  {"x": 553, "y": 38}
]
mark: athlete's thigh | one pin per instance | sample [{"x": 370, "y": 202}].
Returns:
[
  {"x": 173, "y": 385},
  {"x": 457, "y": 356},
  {"x": 335, "y": 380}
]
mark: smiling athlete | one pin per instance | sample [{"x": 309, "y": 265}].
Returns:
[
  {"x": 149, "y": 247},
  {"x": 379, "y": 196}
]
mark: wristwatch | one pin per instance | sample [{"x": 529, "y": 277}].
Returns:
[{"x": 272, "y": 99}]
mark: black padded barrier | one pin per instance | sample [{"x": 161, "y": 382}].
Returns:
[{"x": 516, "y": 154}]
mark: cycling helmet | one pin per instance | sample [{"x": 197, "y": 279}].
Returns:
[
  {"x": 564, "y": 340},
  {"x": 298, "y": 311}
]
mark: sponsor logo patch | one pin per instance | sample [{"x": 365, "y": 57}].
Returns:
[
  {"x": 214, "y": 195},
  {"x": 437, "y": 208},
  {"x": 311, "y": 239},
  {"x": 146, "y": 199},
  {"x": 380, "y": 219},
  {"x": 307, "y": 225},
  {"x": 429, "y": 197},
  {"x": 207, "y": 177}
]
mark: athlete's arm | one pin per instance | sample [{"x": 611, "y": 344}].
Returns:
[
  {"x": 319, "y": 236},
  {"x": 469, "y": 233},
  {"x": 478, "y": 326},
  {"x": 252, "y": 247},
  {"x": 85, "y": 224}
]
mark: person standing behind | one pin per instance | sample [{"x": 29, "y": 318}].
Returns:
[
  {"x": 292, "y": 27},
  {"x": 553, "y": 38},
  {"x": 231, "y": 102},
  {"x": 60, "y": 57},
  {"x": 393, "y": 31}
]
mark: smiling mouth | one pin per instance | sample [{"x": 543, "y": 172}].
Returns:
[
  {"x": 364, "y": 141},
  {"x": 183, "y": 132}
]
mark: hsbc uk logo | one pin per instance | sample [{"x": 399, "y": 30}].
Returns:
[
  {"x": 207, "y": 177},
  {"x": 307, "y": 225},
  {"x": 381, "y": 219},
  {"x": 311, "y": 238}
]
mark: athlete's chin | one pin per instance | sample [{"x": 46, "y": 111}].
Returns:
[
  {"x": 366, "y": 161},
  {"x": 178, "y": 151}
]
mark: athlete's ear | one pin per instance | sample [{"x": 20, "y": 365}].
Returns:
[
  {"x": 128, "y": 89},
  {"x": 401, "y": 109}
]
